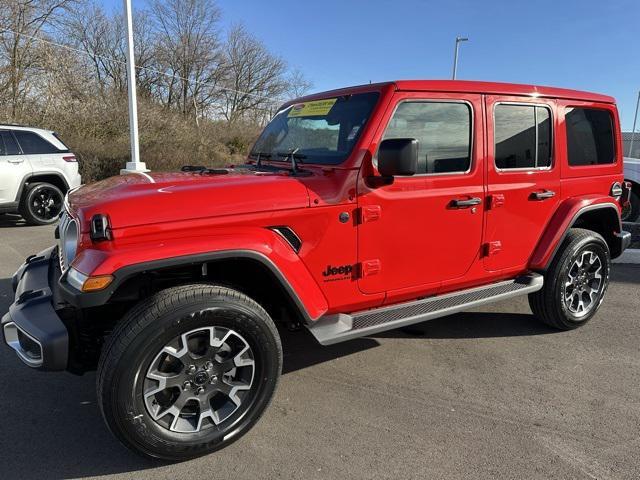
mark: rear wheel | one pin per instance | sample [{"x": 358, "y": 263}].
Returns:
[
  {"x": 188, "y": 371},
  {"x": 575, "y": 282},
  {"x": 41, "y": 204}
]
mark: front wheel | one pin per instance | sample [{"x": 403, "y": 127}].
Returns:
[
  {"x": 575, "y": 282},
  {"x": 188, "y": 371}
]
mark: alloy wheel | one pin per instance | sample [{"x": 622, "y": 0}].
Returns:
[
  {"x": 199, "y": 379},
  {"x": 46, "y": 204},
  {"x": 584, "y": 283}
]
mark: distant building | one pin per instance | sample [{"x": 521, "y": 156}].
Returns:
[{"x": 626, "y": 140}]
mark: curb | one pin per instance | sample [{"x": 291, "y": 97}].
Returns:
[{"x": 629, "y": 256}]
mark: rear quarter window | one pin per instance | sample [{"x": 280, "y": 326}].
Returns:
[
  {"x": 590, "y": 136},
  {"x": 32, "y": 143}
]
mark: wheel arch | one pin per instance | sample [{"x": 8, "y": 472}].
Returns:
[
  {"x": 273, "y": 280},
  {"x": 248, "y": 271},
  {"x": 600, "y": 215},
  {"x": 53, "y": 178}
]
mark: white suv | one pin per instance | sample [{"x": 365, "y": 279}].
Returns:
[
  {"x": 631, "y": 212},
  {"x": 36, "y": 171}
]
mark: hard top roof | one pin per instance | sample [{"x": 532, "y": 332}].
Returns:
[{"x": 466, "y": 86}]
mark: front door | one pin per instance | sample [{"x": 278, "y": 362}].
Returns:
[
  {"x": 424, "y": 229},
  {"x": 523, "y": 178}
]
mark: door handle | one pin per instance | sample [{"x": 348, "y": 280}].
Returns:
[
  {"x": 16, "y": 161},
  {"x": 469, "y": 202},
  {"x": 543, "y": 195}
]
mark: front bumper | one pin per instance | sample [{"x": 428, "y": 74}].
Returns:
[{"x": 31, "y": 327}]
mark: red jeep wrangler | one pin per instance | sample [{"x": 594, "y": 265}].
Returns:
[{"x": 359, "y": 210}]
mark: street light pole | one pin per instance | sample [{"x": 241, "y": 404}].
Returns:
[
  {"x": 633, "y": 130},
  {"x": 455, "y": 55},
  {"x": 135, "y": 165}
]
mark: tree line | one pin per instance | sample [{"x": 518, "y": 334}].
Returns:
[{"x": 203, "y": 90}]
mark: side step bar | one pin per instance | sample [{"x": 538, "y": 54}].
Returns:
[{"x": 332, "y": 329}]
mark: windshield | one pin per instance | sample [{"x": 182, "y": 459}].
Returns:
[{"x": 322, "y": 131}]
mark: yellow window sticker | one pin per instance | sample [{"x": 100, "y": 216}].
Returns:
[{"x": 317, "y": 108}]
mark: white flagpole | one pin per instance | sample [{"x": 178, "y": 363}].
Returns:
[{"x": 135, "y": 165}]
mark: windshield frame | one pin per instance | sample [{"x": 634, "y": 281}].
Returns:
[{"x": 315, "y": 160}]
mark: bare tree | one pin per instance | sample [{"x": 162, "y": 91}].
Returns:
[
  {"x": 298, "y": 84},
  {"x": 254, "y": 78},
  {"x": 20, "y": 22},
  {"x": 188, "y": 50},
  {"x": 103, "y": 39}
]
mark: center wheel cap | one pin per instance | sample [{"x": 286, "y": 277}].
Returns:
[{"x": 200, "y": 378}]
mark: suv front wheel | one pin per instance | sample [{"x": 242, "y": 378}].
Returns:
[
  {"x": 188, "y": 371},
  {"x": 575, "y": 282},
  {"x": 41, "y": 204}
]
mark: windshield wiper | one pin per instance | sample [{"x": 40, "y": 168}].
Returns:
[
  {"x": 259, "y": 156},
  {"x": 295, "y": 158}
]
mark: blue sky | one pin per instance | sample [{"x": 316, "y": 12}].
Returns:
[{"x": 587, "y": 45}]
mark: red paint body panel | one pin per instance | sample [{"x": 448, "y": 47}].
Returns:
[
  {"x": 520, "y": 220},
  {"x": 559, "y": 223},
  {"x": 399, "y": 241}
]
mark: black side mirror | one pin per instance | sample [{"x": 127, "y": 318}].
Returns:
[{"x": 398, "y": 156}]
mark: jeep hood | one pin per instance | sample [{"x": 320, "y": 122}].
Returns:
[{"x": 149, "y": 198}]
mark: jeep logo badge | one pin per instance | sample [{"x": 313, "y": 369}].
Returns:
[{"x": 341, "y": 270}]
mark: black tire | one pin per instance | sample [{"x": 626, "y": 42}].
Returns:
[
  {"x": 138, "y": 341},
  {"x": 41, "y": 203},
  {"x": 632, "y": 211},
  {"x": 549, "y": 304}
]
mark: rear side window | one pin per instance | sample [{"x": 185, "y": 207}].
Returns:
[
  {"x": 522, "y": 136},
  {"x": 8, "y": 145},
  {"x": 443, "y": 131},
  {"x": 32, "y": 143},
  {"x": 590, "y": 139}
]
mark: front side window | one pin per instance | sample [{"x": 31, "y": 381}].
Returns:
[
  {"x": 443, "y": 131},
  {"x": 33, "y": 144},
  {"x": 522, "y": 136},
  {"x": 590, "y": 139},
  {"x": 320, "y": 131}
]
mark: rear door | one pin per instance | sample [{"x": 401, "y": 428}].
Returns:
[
  {"x": 14, "y": 167},
  {"x": 411, "y": 236},
  {"x": 523, "y": 178},
  {"x": 41, "y": 153}
]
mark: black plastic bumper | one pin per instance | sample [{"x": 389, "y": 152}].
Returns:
[{"x": 32, "y": 327}]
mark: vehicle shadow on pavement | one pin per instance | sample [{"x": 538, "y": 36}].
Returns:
[
  {"x": 52, "y": 426},
  {"x": 8, "y": 221},
  {"x": 301, "y": 350},
  {"x": 474, "y": 325}
]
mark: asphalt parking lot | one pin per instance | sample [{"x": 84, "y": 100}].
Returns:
[{"x": 486, "y": 394}]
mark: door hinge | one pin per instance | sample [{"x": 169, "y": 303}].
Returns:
[
  {"x": 370, "y": 267},
  {"x": 491, "y": 248},
  {"x": 370, "y": 213},
  {"x": 496, "y": 200}
]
